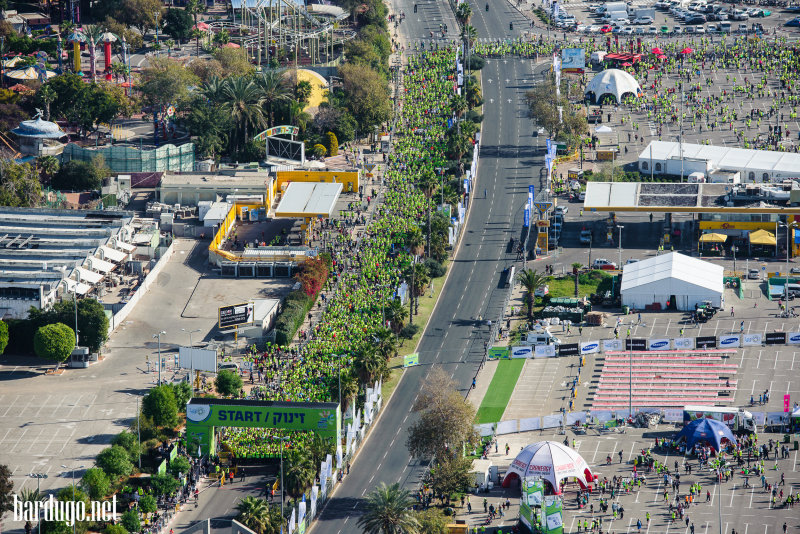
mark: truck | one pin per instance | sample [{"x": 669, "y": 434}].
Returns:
[{"x": 740, "y": 421}]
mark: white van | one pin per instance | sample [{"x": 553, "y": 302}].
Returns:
[{"x": 541, "y": 338}]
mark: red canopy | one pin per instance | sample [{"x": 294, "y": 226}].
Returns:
[
  {"x": 657, "y": 51},
  {"x": 202, "y": 26},
  {"x": 687, "y": 50},
  {"x": 231, "y": 45},
  {"x": 626, "y": 64}
]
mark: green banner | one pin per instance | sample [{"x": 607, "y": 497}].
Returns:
[
  {"x": 162, "y": 467},
  {"x": 203, "y": 415},
  {"x": 552, "y": 522},
  {"x": 500, "y": 353},
  {"x": 411, "y": 359},
  {"x": 531, "y": 501}
]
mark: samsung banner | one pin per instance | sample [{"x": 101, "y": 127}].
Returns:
[
  {"x": 751, "y": 340},
  {"x": 590, "y": 347},
  {"x": 683, "y": 343},
  {"x": 523, "y": 351},
  {"x": 612, "y": 345},
  {"x": 658, "y": 344},
  {"x": 793, "y": 338},
  {"x": 544, "y": 351},
  {"x": 729, "y": 341}
]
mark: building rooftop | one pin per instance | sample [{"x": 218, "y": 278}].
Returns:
[
  {"x": 240, "y": 178},
  {"x": 309, "y": 199}
]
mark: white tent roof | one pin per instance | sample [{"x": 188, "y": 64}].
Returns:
[
  {"x": 741, "y": 159},
  {"x": 101, "y": 266},
  {"x": 111, "y": 254},
  {"x": 122, "y": 245},
  {"x": 88, "y": 276},
  {"x": 613, "y": 82},
  {"x": 553, "y": 462},
  {"x": 78, "y": 287},
  {"x": 672, "y": 271}
]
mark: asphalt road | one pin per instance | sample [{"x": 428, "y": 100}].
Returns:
[{"x": 455, "y": 337}]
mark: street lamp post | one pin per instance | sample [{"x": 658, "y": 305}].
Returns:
[
  {"x": 620, "y": 245},
  {"x": 156, "y": 14},
  {"x": 734, "y": 248},
  {"x": 158, "y": 336},
  {"x": 38, "y": 477},
  {"x": 75, "y": 523},
  {"x": 75, "y": 305}
]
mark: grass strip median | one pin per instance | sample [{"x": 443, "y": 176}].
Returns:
[{"x": 500, "y": 390}]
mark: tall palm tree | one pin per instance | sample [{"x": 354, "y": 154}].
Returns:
[
  {"x": 48, "y": 165},
  {"x": 253, "y": 513},
  {"x": 463, "y": 13},
  {"x": 212, "y": 90},
  {"x": 415, "y": 240},
  {"x": 458, "y": 103},
  {"x": 370, "y": 364},
  {"x": 388, "y": 511},
  {"x": 576, "y": 267},
  {"x": 241, "y": 102},
  {"x": 386, "y": 342},
  {"x": 273, "y": 90},
  {"x": 299, "y": 472},
  {"x": 474, "y": 98},
  {"x": 531, "y": 280},
  {"x": 396, "y": 314},
  {"x": 427, "y": 182},
  {"x": 47, "y": 95}
]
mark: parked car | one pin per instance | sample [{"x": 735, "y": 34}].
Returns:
[
  {"x": 794, "y": 22},
  {"x": 743, "y": 28},
  {"x": 627, "y": 30},
  {"x": 586, "y": 237},
  {"x": 677, "y": 30},
  {"x": 631, "y": 260},
  {"x": 753, "y": 274},
  {"x": 606, "y": 29},
  {"x": 739, "y": 15},
  {"x": 228, "y": 366},
  {"x": 712, "y": 28},
  {"x": 700, "y": 29},
  {"x": 643, "y": 20},
  {"x": 696, "y": 19},
  {"x": 664, "y": 30},
  {"x": 562, "y": 209},
  {"x": 602, "y": 263}
]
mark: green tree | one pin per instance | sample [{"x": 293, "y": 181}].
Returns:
[
  {"x": 299, "y": 472},
  {"x": 228, "y": 383},
  {"x": 234, "y": 62},
  {"x": 92, "y": 320},
  {"x": 179, "y": 465},
  {"x": 96, "y": 483},
  {"x": 463, "y": 13},
  {"x": 48, "y": 166},
  {"x": 333, "y": 144},
  {"x": 544, "y": 109},
  {"x": 31, "y": 495},
  {"x": 141, "y": 14},
  {"x": 115, "y": 461},
  {"x": 130, "y": 442},
  {"x": 164, "y": 484},
  {"x": 3, "y": 336},
  {"x": 209, "y": 125},
  {"x": 182, "y": 392},
  {"x": 367, "y": 95},
  {"x": 166, "y": 81},
  {"x": 445, "y": 419},
  {"x": 432, "y": 520},
  {"x": 241, "y": 101},
  {"x": 450, "y": 475},
  {"x": 388, "y": 511},
  {"x": 19, "y": 184},
  {"x": 130, "y": 520},
  {"x": 273, "y": 91},
  {"x": 531, "y": 280},
  {"x": 54, "y": 342},
  {"x": 6, "y": 490},
  {"x": 47, "y": 96},
  {"x": 148, "y": 504},
  {"x": 76, "y": 175},
  {"x": 115, "y": 529},
  {"x": 302, "y": 91},
  {"x": 160, "y": 405},
  {"x": 178, "y": 24},
  {"x": 370, "y": 364}
]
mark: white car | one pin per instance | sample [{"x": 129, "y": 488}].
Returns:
[
  {"x": 602, "y": 263},
  {"x": 582, "y": 28},
  {"x": 594, "y": 28},
  {"x": 640, "y": 31},
  {"x": 562, "y": 209},
  {"x": 700, "y": 29},
  {"x": 627, "y": 30},
  {"x": 643, "y": 20},
  {"x": 652, "y": 30}
]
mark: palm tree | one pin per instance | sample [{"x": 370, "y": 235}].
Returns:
[
  {"x": 170, "y": 44},
  {"x": 463, "y": 13},
  {"x": 474, "y": 98},
  {"x": 31, "y": 495},
  {"x": 458, "y": 143},
  {"x": 93, "y": 33},
  {"x": 242, "y": 104},
  {"x": 370, "y": 364},
  {"x": 388, "y": 511},
  {"x": 253, "y": 513},
  {"x": 212, "y": 90},
  {"x": 273, "y": 90},
  {"x": 458, "y": 103},
  {"x": 319, "y": 447},
  {"x": 48, "y": 165},
  {"x": 427, "y": 182},
  {"x": 396, "y": 314},
  {"x": 531, "y": 280},
  {"x": 299, "y": 472},
  {"x": 47, "y": 95},
  {"x": 386, "y": 342},
  {"x": 415, "y": 240},
  {"x": 576, "y": 266}
]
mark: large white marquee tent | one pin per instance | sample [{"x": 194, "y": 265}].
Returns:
[
  {"x": 552, "y": 462},
  {"x": 690, "y": 280},
  {"x": 614, "y": 82}
]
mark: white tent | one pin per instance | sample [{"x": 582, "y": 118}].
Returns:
[
  {"x": 614, "y": 82},
  {"x": 553, "y": 462},
  {"x": 658, "y": 279}
]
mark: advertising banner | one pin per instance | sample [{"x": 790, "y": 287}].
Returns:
[
  {"x": 553, "y": 522},
  {"x": 499, "y": 353},
  {"x": 544, "y": 351},
  {"x": 409, "y": 360},
  {"x": 198, "y": 359},
  {"x": 574, "y": 417},
  {"x": 777, "y": 418},
  {"x": 706, "y": 342},
  {"x": 552, "y": 421},
  {"x": 526, "y": 217},
  {"x": 775, "y": 338},
  {"x": 507, "y": 427},
  {"x": 793, "y": 338},
  {"x": 728, "y": 341},
  {"x": 590, "y": 347},
  {"x": 569, "y": 349},
  {"x": 238, "y": 314},
  {"x": 573, "y": 59},
  {"x": 530, "y": 423},
  {"x": 531, "y": 500},
  {"x": 601, "y": 416},
  {"x": 612, "y": 345},
  {"x": 787, "y": 403},
  {"x": 683, "y": 343},
  {"x": 673, "y": 415},
  {"x": 759, "y": 418},
  {"x": 523, "y": 351},
  {"x": 658, "y": 344},
  {"x": 636, "y": 344},
  {"x": 751, "y": 340}
]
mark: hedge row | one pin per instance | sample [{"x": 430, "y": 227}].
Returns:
[{"x": 295, "y": 308}]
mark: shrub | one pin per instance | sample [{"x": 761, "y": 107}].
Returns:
[
  {"x": 160, "y": 404},
  {"x": 409, "y": 331},
  {"x": 435, "y": 269},
  {"x": 128, "y": 441},
  {"x": 333, "y": 144},
  {"x": 179, "y": 465},
  {"x": 96, "y": 483},
  {"x": 115, "y": 529},
  {"x": 295, "y": 308},
  {"x": 228, "y": 383},
  {"x": 115, "y": 461},
  {"x": 473, "y": 116},
  {"x": 130, "y": 520},
  {"x": 319, "y": 150},
  {"x": 476, "y": 63},
  {"x": 54, "y": 342}
]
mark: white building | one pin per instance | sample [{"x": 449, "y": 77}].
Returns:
[
  {"x": 668, "y": 157},
  {"x": 672, "y": 277}
]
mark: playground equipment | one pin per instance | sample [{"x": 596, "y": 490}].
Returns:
[{"x": 286, "y": 30}]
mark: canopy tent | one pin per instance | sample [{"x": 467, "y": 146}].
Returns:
[
  {"x": 713, "y": 237},
  {"x": 553, "y": 462},
  {"x": 603, "y": 129},
  {"x": 660, "y": 279},
  {"x": 706, "y": 430},
  {"x": 762, "y": 237},
  {"x": 614, "y": 82},
  {"x": 30, "y": 73}
]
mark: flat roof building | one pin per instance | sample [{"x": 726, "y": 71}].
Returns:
[{"x": 188, "y": 189}]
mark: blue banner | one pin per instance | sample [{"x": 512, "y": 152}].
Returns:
[
  {"x": 549, "y": 142},
  {"x": 526, "y": 218},
  {"x": 466, "y": 185}
]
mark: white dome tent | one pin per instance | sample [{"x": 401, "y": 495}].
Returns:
[
  {"x": 553, "y": 462},
  {"x": 614, "y": 82}
]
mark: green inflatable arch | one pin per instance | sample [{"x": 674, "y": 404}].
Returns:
[{"x": 204, "y": 415}]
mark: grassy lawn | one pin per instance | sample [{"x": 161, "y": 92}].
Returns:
[
  {"x": 500, "y": 389},
  {"x": 588, "y": 283}
]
